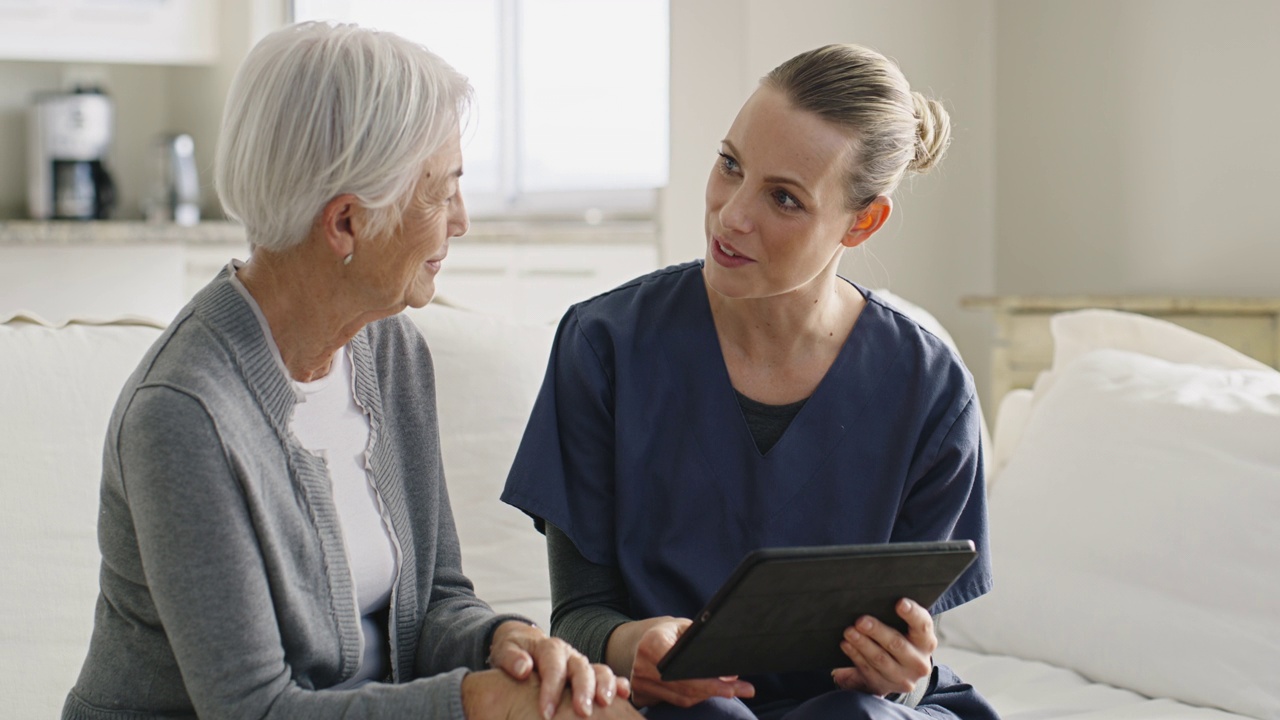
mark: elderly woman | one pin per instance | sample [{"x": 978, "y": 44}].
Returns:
[{"x": 275, "y": 530}]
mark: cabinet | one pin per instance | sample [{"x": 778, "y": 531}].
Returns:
[
  {"x": 169, "y": 32},
  {"x": 536, "y": 283},
  {"x": 102, "y": 270},
  {"x": 63, "y": 283}
]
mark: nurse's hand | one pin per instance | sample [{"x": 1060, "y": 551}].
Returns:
[
  {"x": 647, "y": 687},
  {"x": 886, "y": 661},
  {"x": 520, "y": 649}
]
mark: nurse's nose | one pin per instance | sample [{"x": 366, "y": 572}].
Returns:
[{"x": 735, "y": 214}]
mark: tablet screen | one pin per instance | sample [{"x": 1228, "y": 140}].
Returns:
[{"x": 785, "y": 609}]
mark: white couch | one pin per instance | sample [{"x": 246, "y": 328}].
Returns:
[{"x": 1069, "y": 631}]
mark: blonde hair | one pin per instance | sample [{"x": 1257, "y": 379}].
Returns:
[
  {"x": 319, "y": 110},
  {"x": 896, "y": 130}
]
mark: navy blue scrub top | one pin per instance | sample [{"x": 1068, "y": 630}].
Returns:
[{"x": 638, "y": 450}]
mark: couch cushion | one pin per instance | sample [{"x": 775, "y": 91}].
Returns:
[
  {"x": 1134, "y": 535},
  {"x": 1030, "y": 690},
  {"x": 488, "y": 372},
  {"x": 58, "y": 387}
]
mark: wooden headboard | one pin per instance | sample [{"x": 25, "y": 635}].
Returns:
[{"x": 1023, "y": 346}]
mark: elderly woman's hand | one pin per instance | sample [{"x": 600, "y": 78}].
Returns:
[
  {"x": 519, "y": 649},
  {"x": 886, "y": 661}
]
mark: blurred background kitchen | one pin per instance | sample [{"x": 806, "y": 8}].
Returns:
[{"x": 1104, "y": 147}]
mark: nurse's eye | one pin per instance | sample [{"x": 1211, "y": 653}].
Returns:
[
  {"x": 727, "y": 164},
  {"x": 786, "y": 200}
]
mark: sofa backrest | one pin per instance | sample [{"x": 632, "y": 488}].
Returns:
[
  {"x": 57, "y": 388},
  {"x": 488, "y": 372}
]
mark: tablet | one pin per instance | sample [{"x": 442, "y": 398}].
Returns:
[{"x": 786, "y": 609}]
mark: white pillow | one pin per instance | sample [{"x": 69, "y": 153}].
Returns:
[
  {"x": 1079, "y": 332},
  {"x": 488, "y": 372},
  {"x": 58, "y": 387},
  {"x": 1011, "y": 418},
  {"x": 1134, "y": 536}
]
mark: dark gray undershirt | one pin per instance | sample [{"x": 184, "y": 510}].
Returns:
[
  {"x": 767, "y": 422},
  {"x": 587, "y": 600}
]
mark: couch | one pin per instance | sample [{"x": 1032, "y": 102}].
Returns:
[{"x": 1135, "y": 552}]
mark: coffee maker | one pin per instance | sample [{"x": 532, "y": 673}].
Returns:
[{"x": 69, "y": 137}]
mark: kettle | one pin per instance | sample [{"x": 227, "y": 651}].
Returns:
[{"x": 175, "y": 188}]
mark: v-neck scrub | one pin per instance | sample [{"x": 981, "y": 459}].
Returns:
[{"x": 638, "y": 450}]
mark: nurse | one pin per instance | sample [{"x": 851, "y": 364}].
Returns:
[{"x": 755, "y": 398}]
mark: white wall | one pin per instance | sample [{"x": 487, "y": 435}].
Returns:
[
  {"x": 1137, "y": 147},
  {"x": 939, "y": 245}
]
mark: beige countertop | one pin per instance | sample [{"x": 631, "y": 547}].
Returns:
[{"x": 32, "y": 233}]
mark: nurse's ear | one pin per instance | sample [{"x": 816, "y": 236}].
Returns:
[{"x": 868, "y": 221}]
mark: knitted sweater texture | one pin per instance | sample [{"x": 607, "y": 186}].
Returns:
[{"x": 225, "y": 588}]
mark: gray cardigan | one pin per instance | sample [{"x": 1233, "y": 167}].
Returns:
[{"x": 225, "y": 589}]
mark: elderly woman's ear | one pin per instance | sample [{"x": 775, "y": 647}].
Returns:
[{"x": 340, "y": 222}]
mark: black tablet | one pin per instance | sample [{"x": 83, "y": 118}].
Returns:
[{"x": 785, "y": 609}]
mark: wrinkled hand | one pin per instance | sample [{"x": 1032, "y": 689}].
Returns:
[
  {"x": 495, "y": 695},
  {"x": 648, "y": 687},
  {"x": 886, "y": 661},
  {"x": 520, "y": 649}
]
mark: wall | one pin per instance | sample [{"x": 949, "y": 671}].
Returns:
[
  {"x": 1137, "y": 147},
  {"x": 939, "y": 245}
]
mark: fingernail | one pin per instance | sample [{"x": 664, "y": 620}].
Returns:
[
  {"x": 906, "y": 604},
  {"x": 522, "y": 666},
  {"x": 865, "y": 624},
  {"x": 548, "y": 711},
  {"x": 852, "y": 635},
  {"x": 608, "y": 695}
]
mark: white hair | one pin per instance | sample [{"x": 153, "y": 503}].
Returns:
[{"x": 319, "y": 110}]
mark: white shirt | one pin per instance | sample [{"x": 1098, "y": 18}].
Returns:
[{"x": 328, "y": 422}]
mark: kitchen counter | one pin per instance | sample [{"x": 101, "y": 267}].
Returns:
[
  {"x": 221, "y": 232},
  {"x": 35, "y": 233}
]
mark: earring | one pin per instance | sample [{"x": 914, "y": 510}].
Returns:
[{"x": 347, "y": 260}]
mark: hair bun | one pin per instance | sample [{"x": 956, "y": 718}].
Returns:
[{"x": 933, "y": 133}]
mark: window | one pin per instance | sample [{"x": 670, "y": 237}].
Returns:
[{"x": 571, "y": 96}]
